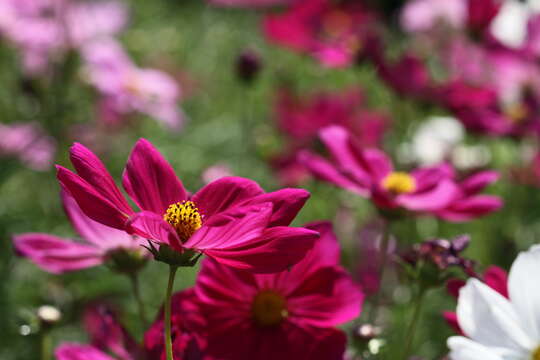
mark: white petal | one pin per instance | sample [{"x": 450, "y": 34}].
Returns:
[
  {"x": 462, "y": 348},
  {"x": 489, "y": 319},
  {"x": 510, "y": 25},
  {"x": 524, "y": 290}
]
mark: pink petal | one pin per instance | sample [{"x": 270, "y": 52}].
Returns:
[
  {"x": 225, "y": 193},
  {"x": 324, "y": 170},
  {"x": 454, "y": 285},
  {"x": 452, "y": 321},
  {"x": 151, "y": 226},
  {"x": 497, "y": 279},
  {"x": 69, "y": 351},
  {"x": 439, "y": 197},
  {"x": 428, "y": 177},
  {"x": 100, "y": 235},
  {"x": 471, "y": 208},
  {"x": 56, "y": 255},
  {"x": 277, "y": 249},
  {"x": 286, "y": 204},
  {"x": 91, "y": 202},
  {"x": 477, "y": 182},
  {"x": 325, "y": 251},
  {"x": 91, "y": 169},
  {"x": 150, "y": 180}
]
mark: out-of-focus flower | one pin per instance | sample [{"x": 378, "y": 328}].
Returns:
[
  {"x": 216, "y": 172},
  {"x": 287, "y": 315},
  {"x": 494, "y": 277},
  {"x": 469, "y": 204},
  {"x": 231, "y": 219},
  {"x": 370, "y": 173},
  {"x": 44, "y": 30},
  {"x": 248, "y": 64},
  {"x": 250, "y": 3},
  {"x": 496, "y": 327},
  {"x": 103, "y": 244},
  {"x": 302, "y": 118},
  {"x": 49, "y": 314},
  {"x": 125, "y": 88},
  {"x": 424, "y": 15},
  {"x": 28, "y": 143},
  {"x": 333, "y": 33}
]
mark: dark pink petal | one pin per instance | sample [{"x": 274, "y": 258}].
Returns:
[
  {"x": 91, "y": 169},
  {"x": 470, "y": 208},
  {"x": 325, "y": 251},
  {"x": 100, "y": 235},
  {"x": 324, "y": 170},
  {"x": 150, "y": 180},
  {"x": 151, "y": 226},
  {"x": 277, "y": 249},
  {"x": 286, "y": 204},
  {"x": 452, "y": 320},
  {"x": 326, "y": 298},
  {"x": 224, "y": 193},
  {"x": 497, "y": 279},
  {"x": 435, "y": 199},
  {"x": 56, "y": 255},
  {"x": 91, "y": 202},
  {"x": 428, "y": 177},
  {"x": 69, "y": 351},
  {"x": 453, "y": 286},
  {"x": 245, "y": 225},
  {"x": 477, "y": 182}
]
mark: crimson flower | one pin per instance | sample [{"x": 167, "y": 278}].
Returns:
[{"x": 231, "y": 219}]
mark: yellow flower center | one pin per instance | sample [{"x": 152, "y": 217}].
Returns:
[
  {"x": 184, "y": 217},
  {"x": 269, "y": 308},
  {"x": 536, "y": 354},
  {"x": 516, "y": 112},
  {"x": 399, "y": 183}
]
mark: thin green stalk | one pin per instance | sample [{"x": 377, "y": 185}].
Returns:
[
  {"x": 45, "y": 345},
  {"x": 134, "y": 277},
  {"x": 168, "y": 340},
  {"x": 382, "y": 267},
  {"x": 414, "y": 323}
]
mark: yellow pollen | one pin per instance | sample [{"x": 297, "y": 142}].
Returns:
[
  {"x": 269, "y": 308},
  {"x": 184, "y": 217},
  {"x": 399, "y": 183},
  {"x": 516, "y": 112},
  {"x": 536, "y": 354}
]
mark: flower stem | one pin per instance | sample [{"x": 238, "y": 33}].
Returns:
[
  {"x": 414, "y": 322},
  {"x": 385, "y": 241},
  {"x": 168, "y": 340},
  {"x": 45, "y": 345},
  {"x": 134, "y": 277}
]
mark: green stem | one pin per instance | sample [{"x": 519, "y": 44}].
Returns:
[
  {"x": 414, "y": 323},
  {"x": 45, "y": 345},
  {"x": 382, "y": 267},
  {"x": 134, "y": 277},
  {"x": 168, "y": 340}
]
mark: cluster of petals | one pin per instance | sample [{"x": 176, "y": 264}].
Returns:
[
  {"x": 291, "y": 314},
  {"x": 333, "y": 33},
  {"x": 498, "y": 327},
  {"x": 301, "y": 118},
  {"x": 236, "y": 222},
  {"x": 58, "y": 255},
  {"x": 29, "y": 144},
  {"x": 370, "y": 173}
]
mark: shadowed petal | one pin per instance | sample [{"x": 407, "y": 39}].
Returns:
[
  {"x": 479, "y": 181},
  {"x": 152, "y": 226},
  {"x": 471, "y": 208},
  {"x": 80, "y": 352}
]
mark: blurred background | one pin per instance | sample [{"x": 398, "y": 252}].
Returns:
[{"x": 227, "y": 95}]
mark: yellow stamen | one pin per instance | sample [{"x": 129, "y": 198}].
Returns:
[
  {"x": 516, "y": 112},
  {"x": 399, "y": 183},
  {"x": 184, "y": 217},
  {"x": 536, "y": 354},
  {"x": 269, "y": 308}
]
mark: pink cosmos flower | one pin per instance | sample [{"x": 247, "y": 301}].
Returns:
[
  {"x": 302, "y": 118},
  {"x": 370, "y": 173},
  {"x": 494, "y": 277},
  {"x": 287, "y": 315},
  {"x": 424, "y": 15},
  {"x": 125, "y": 88},
  {"x": 231, "y": 219},
  {"x": 59, "y": 255},
  {"x": 332, "y": 33},
  {"x": 469, "y": 204},
  {"x": 29, "y": 144}
]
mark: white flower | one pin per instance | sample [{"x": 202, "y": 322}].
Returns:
[{"x": 498, "y": 328}]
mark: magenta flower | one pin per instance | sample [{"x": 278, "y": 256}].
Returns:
[
  {"x": 369, "y": 173},
  {"x": 125, "y": 88},
  {"x": 494, "y": 277},
  {"x": 28, "y": 143},
  {"x": 230, "y": 219},
  {"x": 59, "y": 255},
  {"x": 332, "y": 33},
  {"x": 287, "y": 315},
  {"x": 469, "y": 204}
]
